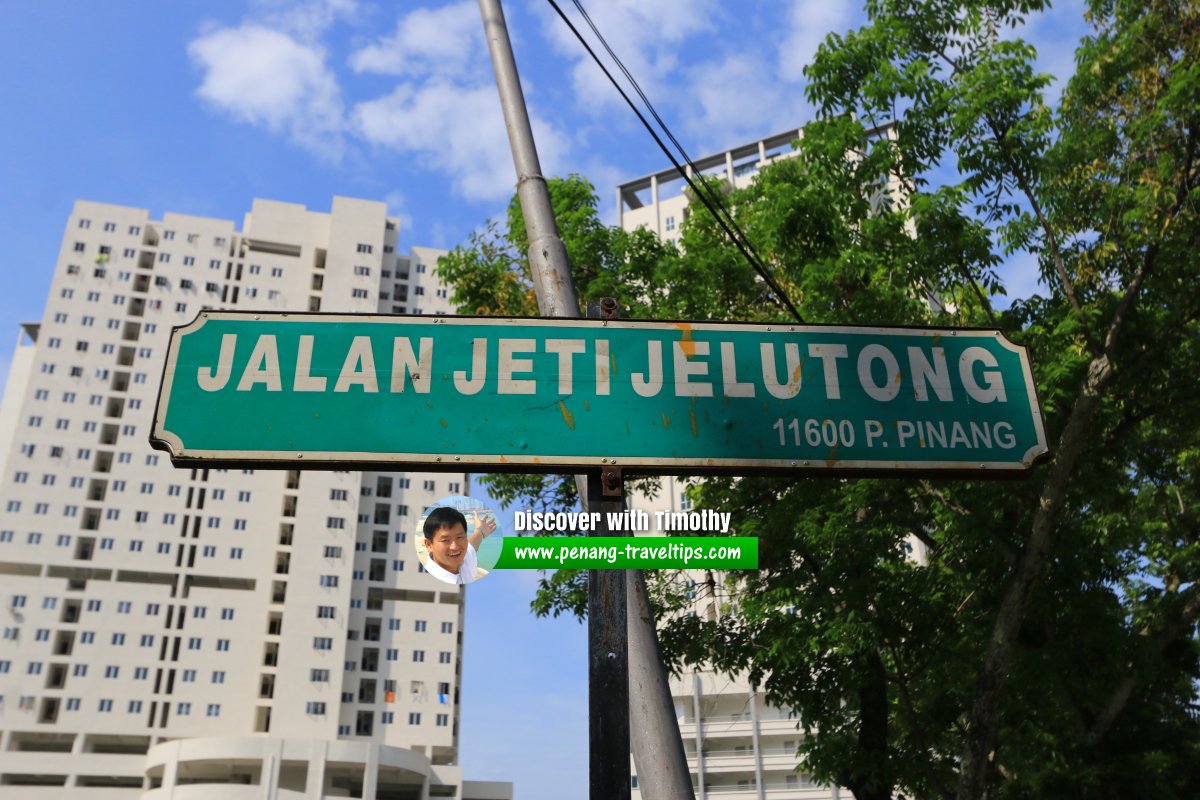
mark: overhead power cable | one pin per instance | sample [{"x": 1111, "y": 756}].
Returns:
[{"x": 702, "y": 192}]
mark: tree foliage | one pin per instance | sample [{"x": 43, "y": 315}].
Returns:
[{"x": 1046, "y": 643}]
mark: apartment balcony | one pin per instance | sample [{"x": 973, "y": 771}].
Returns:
[
  {"x": 735, "y": 725},
  {"x": 718, "y": 761},
  {"x": 724, "y": 761},
  {"x": 773, "y": 790}
]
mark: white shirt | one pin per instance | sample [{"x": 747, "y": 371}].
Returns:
[{"x": 466, "y": 570}]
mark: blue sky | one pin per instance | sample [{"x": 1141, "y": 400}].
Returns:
[{"x": 199, "y": 107}]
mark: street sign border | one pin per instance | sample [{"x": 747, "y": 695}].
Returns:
[{"x": 162, "y": 439}]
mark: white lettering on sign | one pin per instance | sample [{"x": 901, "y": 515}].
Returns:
[
  {"x": 937, "y": 373},
  {"x": 650, "y": 384},
  {"x": 213, "y": 379},
  {"x": 790, "y": 387},
  {"x": 263, "y": 366},
  {"x": 685, "y": 368},
  {"x": 730, "y": 385},
  {"x": 966, "y": 370},
  {"x": 603, "y": 367},
  {"x": 510, "y": 366},
  {"x": 565, "y": 349},
  {"x": 304, "y": 380},
  {"x": 523, "y": 366},
  {"x": 359, "y": 367},
  {"x": 478, "y": 370},
  {"x": 829, "y": 355},
  {"x": 419, "y": 367},
  {"x": 891, "y": 383}
]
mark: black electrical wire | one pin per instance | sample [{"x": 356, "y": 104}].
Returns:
[{"x": 718, "y": 211}]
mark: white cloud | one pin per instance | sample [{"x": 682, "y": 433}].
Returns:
[
  {"x": 443, "y": 40},
  {"x": 458, "y": 130},
  {"x": 646, "y": 36},
  {"x": 735, "y": 100},
  {"x": 265, "y": 77},
  {"x": 809, "y": 22},
  {"x": 306, "y": 20},
  {"x": 397, "y": 205}
]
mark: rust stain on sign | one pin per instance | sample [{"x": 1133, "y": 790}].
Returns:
[
  {"x": 695, "y": 430},
  {"x": 832, "y": 460},
  {"x": 666, "y": 422},
  {"x": 587, "y": 406},
  {"x": 686, "y": 343},
  {"x": 568, "y": 417},
  {"x": 443, "y": 422}
]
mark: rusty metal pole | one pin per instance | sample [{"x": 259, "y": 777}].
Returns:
[
  {"x": 552, "y": 280},
  {"x": 608, "y": 674}
]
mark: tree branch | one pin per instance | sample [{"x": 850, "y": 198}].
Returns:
[{"x": 1119, "y": 699}]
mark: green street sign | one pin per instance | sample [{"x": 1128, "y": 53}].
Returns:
[{"x": 528, "y": 394}]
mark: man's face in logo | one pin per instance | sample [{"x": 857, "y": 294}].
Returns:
[{"x": 448, "y": 547}]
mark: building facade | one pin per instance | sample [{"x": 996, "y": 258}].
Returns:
[
  {"x": 659, "y": 201},
  {"x": 738, "y": 746},
  {"x": 186, "y": 633}
]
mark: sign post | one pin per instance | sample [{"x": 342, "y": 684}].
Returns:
[{"x": 559, "y": 395}]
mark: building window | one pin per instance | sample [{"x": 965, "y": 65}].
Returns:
[
  {"x": 418, "y": 656},
  {"x": 444, "y": 657},
  {"x": 315, "y": 709},
  {"x": 443, "y": 720},
  {"x": 322, "y": 643},
  {"x": 362, "y": 248},
  {"x": 319, "y": 675},
  {"x": 214, "y": 710},
  {"x": 329, "y": 581},
  {"x": 414, "y": 718}
]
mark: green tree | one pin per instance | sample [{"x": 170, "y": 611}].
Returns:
[{"x": 1045, "y": 646}]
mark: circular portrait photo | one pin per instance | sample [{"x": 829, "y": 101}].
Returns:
[{"x": 458, "y": 540}]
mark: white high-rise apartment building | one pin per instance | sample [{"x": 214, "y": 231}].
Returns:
[
  {"x": 659, "y": 201},
  {"x": 188, "y": 633},
  {"x": 738, "y": 746}
]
